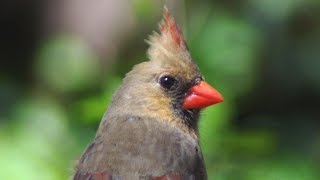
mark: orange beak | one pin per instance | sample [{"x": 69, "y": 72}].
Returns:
[{"x": 201, "y": 96}]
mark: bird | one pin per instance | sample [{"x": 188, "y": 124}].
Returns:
[{"x": 149, "y": 130}]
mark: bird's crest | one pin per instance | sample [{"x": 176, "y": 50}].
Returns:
[
  {"x": 170, "y": 28},
  {"x": 170, "y": 42}
]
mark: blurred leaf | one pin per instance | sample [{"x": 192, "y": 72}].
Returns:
[
  {"x": 40, "y": 140},
  {"x": 253, "y": 143},
  {"x": 287, "y": 167},
  {"x": 226, "y": 48},
  {"x": 277, "y": 10},
  {"x": 66, "y": 64},
  {"x": 91, "y": 109},
  {"x": 144, "y": 8}
]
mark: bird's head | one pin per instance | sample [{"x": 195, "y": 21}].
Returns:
[{"x": 170, "y": 84}]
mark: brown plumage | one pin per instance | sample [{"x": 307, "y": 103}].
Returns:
[{"x": 150, "y": 128}]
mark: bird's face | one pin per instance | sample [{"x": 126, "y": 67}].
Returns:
[
  {"x": 175, "y": 85},
  {"x": 171, "y": 89}
]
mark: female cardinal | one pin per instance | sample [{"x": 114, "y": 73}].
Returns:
[{"x": 150, "y": 128}]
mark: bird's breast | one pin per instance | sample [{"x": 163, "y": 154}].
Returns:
[{"x": 143, "y": 146}]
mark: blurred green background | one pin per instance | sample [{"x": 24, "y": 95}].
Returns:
[{"x": 61, "y": 61}]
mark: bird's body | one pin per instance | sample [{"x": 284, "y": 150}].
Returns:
[
  {"x": 152, "y": 148},
  {"x": 150, "y": 128}
]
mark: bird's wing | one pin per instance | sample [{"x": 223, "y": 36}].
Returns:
[{"x": 106, "y": 176}]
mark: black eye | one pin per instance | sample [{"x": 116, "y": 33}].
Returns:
[{"x": 167, "y": 81}]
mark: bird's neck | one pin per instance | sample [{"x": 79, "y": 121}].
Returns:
[{"x": 184, "y": 121}]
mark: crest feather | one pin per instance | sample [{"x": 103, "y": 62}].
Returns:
[
  {"x": 170, "y": 42},
  {"x": 168, "y": 26}
]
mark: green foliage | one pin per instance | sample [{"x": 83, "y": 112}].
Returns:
[
  {"x": 37, "y": 141},
  {"x": 66, "y": 64}
]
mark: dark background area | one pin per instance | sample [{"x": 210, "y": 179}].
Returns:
[{"x": 61, "y": 61}]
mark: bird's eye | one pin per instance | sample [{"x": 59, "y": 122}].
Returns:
[{"x": 167, "y": 81}]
